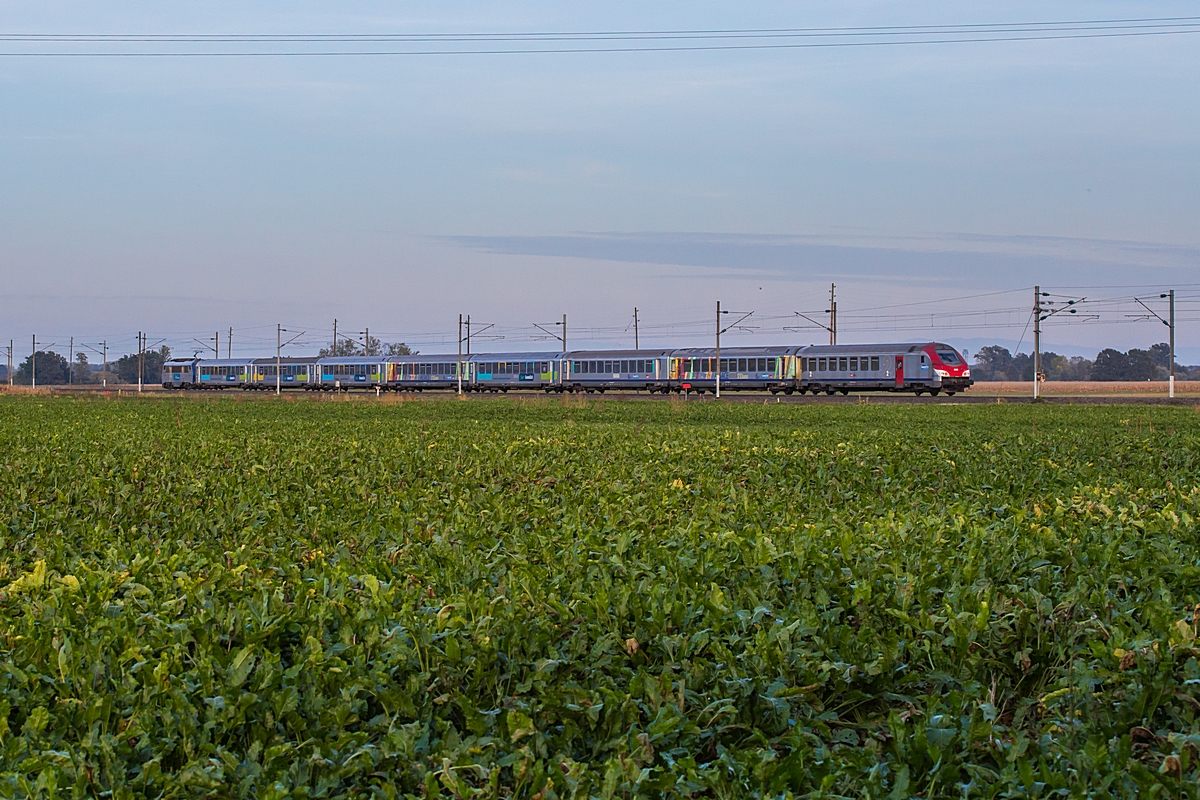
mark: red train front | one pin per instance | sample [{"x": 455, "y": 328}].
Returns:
[{"x": 949, "y": 366}]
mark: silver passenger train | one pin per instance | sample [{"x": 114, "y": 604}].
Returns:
[{"x": 921, "y": 367}]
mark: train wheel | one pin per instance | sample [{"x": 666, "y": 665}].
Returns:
[
  {"x": 829, "y": 392},
  {"x": 845, "y": 392},
  {"x": 950, "y": 394},
  {"x": 934, "y": 392}
]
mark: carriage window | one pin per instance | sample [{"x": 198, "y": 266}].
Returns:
[
  {"x": 820, "y": 364},
  {"x": 854, "y": 364},
  {"x": 842, "y": 365},
  {"x": 875, "y": 363}
]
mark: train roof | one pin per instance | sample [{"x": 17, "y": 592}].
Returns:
[
  {"x": 709, "y": 352},
  {"x": 595, "y": 354},
  {"x": 285, "y": 360},
  {"x": 335, "y": 360},
  {"x": 543, "y": 356},
  {"x": 837, "y": 349},
  {"x": 212, "y": 362}
]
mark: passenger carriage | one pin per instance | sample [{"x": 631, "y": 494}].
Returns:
[
  {"x": 500, "y": 372},
  {"x": 198, "y": 373},
  {"x": 695, "y": 369},
  {"x": 418, "y": 373},
  {"x": 180, "y": 373},
  {"x": 627, "y": 370},
  {"x": 349, "y": 372},
  {"x": 294, "y": 373}
]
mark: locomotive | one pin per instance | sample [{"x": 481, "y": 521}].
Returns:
[{"x": 916, "y": 367}]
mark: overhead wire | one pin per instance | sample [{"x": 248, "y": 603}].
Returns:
[{"x": 533, "y": 42}]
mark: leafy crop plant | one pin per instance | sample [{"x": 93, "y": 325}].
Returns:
[{"x": 489, "y": 599}]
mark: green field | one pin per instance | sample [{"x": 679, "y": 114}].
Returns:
[{"x": 290, "y": 599}]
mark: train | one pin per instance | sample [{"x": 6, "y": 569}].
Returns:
[{"x": 916, "y": 367}]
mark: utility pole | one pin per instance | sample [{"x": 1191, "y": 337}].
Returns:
[
  {"x": 458, "y": 366},
  {"x": 229, "y": 345},
  {"x": 10, "y": 375},
  {"x": 635, "y": 330},
  {"x": 564, "y": 333},
  {"x": 105, "y": 379},
  {"x": 334, "y": 351},
  {"x": 71, "y": 363},
  {"x": 717, "y": 365},
  {"x": 141, "y": 357},
  {"x": 832, "y": 315},
  {"x": 1170, "y": 316},
  {"x": 468, "y": 334},
  {"x": 1037, "y": 338},
  {"x": 1171, "y": 386},
  {"x": 217, "y": 347},
  {"x": 279, "y": 345},
  {"x": 33, "y": 360}
]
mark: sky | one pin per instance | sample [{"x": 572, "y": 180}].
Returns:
[{"x": 934, "y": 184}]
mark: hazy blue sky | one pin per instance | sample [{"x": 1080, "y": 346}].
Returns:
[{"x": 184, "y": 195}]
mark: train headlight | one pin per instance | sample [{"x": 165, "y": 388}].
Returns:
[
  {"x": 967, "y": 373},
  {"x": 941, "y": 373}
]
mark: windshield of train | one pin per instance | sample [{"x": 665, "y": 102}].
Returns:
[{"x": 949, "y": 357}]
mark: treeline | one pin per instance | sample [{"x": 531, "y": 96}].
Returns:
[
  {"x": 995, "y": 363},
  {"x": 53, "y": 369}
]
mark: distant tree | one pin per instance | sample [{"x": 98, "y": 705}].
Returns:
[
  {"x": 1141, "y": 366},
  {"x": 51, "y": 369},
  {"x": 83, "y": 370},
  {"x": 126, "y": 367},
  {"x": 1161, "y": 353},
  {"x": 1109, "y": 365},
  {"x": 1061, "y": 368},
  {"x": 373, "y": 347},
  {"x": 992, "y": 363},
  {"x": 1113, "y": 365},
  {"x": 1023, "y": 367},
  {"x": 1080, "y": 369},
  {"x": 400, "y": 349},
  {"x": 343, "y": 347}
]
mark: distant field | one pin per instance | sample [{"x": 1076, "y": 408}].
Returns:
[
  {"x": 547, "y": 599},
  {"x": 1182, "y": 388}
]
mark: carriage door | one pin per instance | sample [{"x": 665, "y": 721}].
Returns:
[{"x": 899, "y": 372}]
